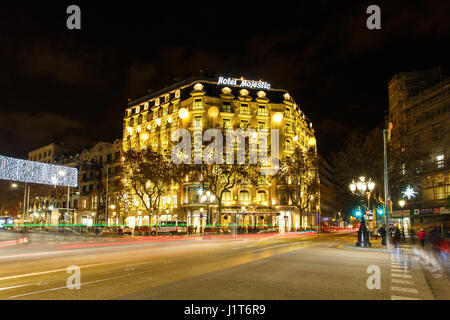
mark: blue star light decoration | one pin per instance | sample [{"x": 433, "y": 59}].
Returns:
[{"x": 409, "y": 192}]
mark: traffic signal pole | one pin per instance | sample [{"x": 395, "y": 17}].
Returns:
[{"x": 386, "y": 190}]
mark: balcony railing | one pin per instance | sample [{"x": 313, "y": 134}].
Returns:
[{"x": 244, "y": 111}]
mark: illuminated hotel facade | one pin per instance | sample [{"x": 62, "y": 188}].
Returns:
[{"x": 221, "y": 103}]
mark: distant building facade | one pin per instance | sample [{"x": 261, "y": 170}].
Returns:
[
  {"x": 419, "y": 110},
  {"x": 46, "y": 154}
]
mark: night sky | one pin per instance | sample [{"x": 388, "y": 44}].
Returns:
[{"x": 72, "y": 86}]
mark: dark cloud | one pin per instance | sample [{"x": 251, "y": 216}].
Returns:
[
  {"x": 35, "y": 130},
  {"x": 66, "y": 65}
]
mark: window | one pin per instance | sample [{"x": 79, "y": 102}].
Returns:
[
  {"x": 166, "y": 97},
  {"x": 288, "y": 144},
  {"x": 227, "y": 196},
  {"x": 226, "y": 106},
  {"x": 197, "y": 104},
  {"x": 226, "y": 123},
  {"x": 198, "y": 121},
  {"x": 49, "y": 152},
  {"x": 262, "y": 195},
  {"x": 244, "y": 124},
  {"x": 262, "y": 111},
  {"x": 244, "y": 195},
  {"x": 244, "y": 108},
  {"x": 138, "y": 109},
  {"x": 404, "y": 169},
  {"x": 440, "y": 161},
  {"x": 165, "y": 111},
  {"x": 45, "y": 154},
  {"x": 261, "y": 126}
]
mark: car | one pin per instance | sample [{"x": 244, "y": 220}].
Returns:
[
  {"x": 170, "y": 227},
  {"x": 124, "y": 230}
]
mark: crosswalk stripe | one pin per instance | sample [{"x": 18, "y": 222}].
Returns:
[
  {"x": 401, "y": 275},
  {"x": 403, "y": 298},
  {"x": 403, "y": 281},
  {"x": 409, "y": 290}
]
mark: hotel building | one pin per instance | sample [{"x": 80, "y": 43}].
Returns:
[{"x": 221, "y": 103}]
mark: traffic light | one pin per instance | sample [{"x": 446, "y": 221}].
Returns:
[
  {"x": 358, "y": 212},
  {"x": 380, "y": 211}
]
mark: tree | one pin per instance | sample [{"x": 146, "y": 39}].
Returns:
[
  {"x": 148, "y": 175},
  {"x": 363, "y": 156},
  {"x": 298, "y": 176}
]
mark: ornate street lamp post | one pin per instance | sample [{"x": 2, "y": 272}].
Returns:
[
  {"x": 207, "y": 198},
  {"x": 361, "y": 188}
]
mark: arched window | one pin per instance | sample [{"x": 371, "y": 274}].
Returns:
[
  {"x": 227, "y": 196},
  {"x": 244, "y": 195},
  {"x": 262, "y": 195}
]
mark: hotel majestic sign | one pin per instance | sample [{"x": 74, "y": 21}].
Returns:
[{"x": 243, "y": 83}]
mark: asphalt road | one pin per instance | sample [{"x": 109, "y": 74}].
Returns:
[{"x": 268, "y": 266}]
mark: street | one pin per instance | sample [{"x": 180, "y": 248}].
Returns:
[{"x": 263, "y": 266}]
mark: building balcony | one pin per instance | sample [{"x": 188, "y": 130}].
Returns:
[{"x": 245, "y": 111}]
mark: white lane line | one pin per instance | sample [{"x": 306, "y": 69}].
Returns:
[
  {"x": 280, "y": 245},
  {"x": 65, "y": 287},
  {"x": 403, "y": 281},
  {"x": 401, "y": 275},
  {"x": 402, "y": 298},
  {"x": 409, "y": 290},
  {"x": 18, "y": 286},
  {"x": 50, "y": 271}
]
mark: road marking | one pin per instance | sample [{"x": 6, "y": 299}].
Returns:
[
  {"x": 18, "y": 286},
  {"x": 280, "y": 245},
  {"x": 409, "y": 290},
  {"x": 65, "y": 287},
  {"x": 50, "y": 271},
  {"x": 402, "y": 298},
  {"x": 403, "y": 281},
  {"x": 400, "y": 275}
]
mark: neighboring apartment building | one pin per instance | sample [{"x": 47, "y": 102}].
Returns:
[
  {"x": 221, "y": 103},
  {"x": 331, "y": 198},
  {"x": 419, "y": 109},
  {"x": 99, "y": 178},
  {"x": 46, "y": 153}
]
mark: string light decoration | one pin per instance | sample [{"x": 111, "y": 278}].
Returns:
[{"x": 36, "y": 172}]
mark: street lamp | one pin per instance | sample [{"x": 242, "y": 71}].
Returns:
[
  {"x": 361, "y": 188},
  {"x": 207, "y": 198}
]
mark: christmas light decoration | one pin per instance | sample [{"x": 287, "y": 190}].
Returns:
[
  {"x": 36, "y": 172},
  {"x": 409, "y": 192}
]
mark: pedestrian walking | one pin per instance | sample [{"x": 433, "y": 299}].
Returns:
[
  {"x": 412, "y": 235},
  {"x": 382, "y": 232},
  {"x": 396, "y": 237},
  {"x": 422, "y": 236}
]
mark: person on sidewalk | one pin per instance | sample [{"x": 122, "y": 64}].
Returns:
[
  {"x": 412, "y": 235},
  {"x": 396, "y": 237},
  {"x": 382, "y": 232},
  {"x": 422, "y": 236}
]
